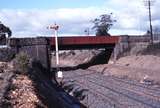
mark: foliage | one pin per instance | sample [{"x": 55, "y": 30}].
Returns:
[
  {"x": 4, "y": 29},
  {"x": 21, "y": 62},
  {"x": 7, "y": 54},
  {"x": 103, "y": 24}
]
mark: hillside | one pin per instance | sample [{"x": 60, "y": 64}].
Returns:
[{"x": 138, "y": 66}]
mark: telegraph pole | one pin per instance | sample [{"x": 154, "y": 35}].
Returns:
[{"x": 149, "y": 3}]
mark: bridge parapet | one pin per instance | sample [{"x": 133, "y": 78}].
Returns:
[
  {"x": 28, "y": 41},
  {"x": 134, "y": 39}
]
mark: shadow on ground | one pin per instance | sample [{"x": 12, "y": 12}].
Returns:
[{"x": 102, "y": 58}]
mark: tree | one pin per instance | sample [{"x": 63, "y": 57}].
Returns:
[
  {"x": 103, "y": 24},
  {"x": 4, "y": 29}
]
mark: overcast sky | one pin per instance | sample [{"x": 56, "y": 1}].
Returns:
[{"x": 31, "y": 17}]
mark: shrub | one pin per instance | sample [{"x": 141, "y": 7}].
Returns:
[
  {"x": 21, "y": 62},
  {"x": 7, "y": 54}
]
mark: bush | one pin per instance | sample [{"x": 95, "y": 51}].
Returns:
[
  {"x": 7, "y": 54},
  {"x": 21, "y": 62}
]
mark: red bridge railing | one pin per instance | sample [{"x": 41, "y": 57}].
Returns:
[{"x": 89, "y": 40}]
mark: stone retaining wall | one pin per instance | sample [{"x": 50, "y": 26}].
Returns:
[{"x": 36, "y": 48}]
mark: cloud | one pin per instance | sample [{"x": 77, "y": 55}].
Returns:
[
  {"x": 35, "y": 22},
  {"x": 131, "y": 16}
]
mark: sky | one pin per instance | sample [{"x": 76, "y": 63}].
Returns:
[
  {"x": 31, "y": 17},
  {"x": 49, "y": 4}
]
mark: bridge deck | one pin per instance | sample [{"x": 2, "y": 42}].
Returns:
[
  {"x": 68, "y": 43},
  {"x": 85, "y": 42}
]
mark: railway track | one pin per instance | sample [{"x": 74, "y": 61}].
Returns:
[
  {"x": 130, "y": 82},
  {"x": 108, "y": 100},
  {"x": 117, "y": 92},
  {"x": 143, "y": 89}
]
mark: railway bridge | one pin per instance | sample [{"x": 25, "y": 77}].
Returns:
[{"x": 40, "y": 48}]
